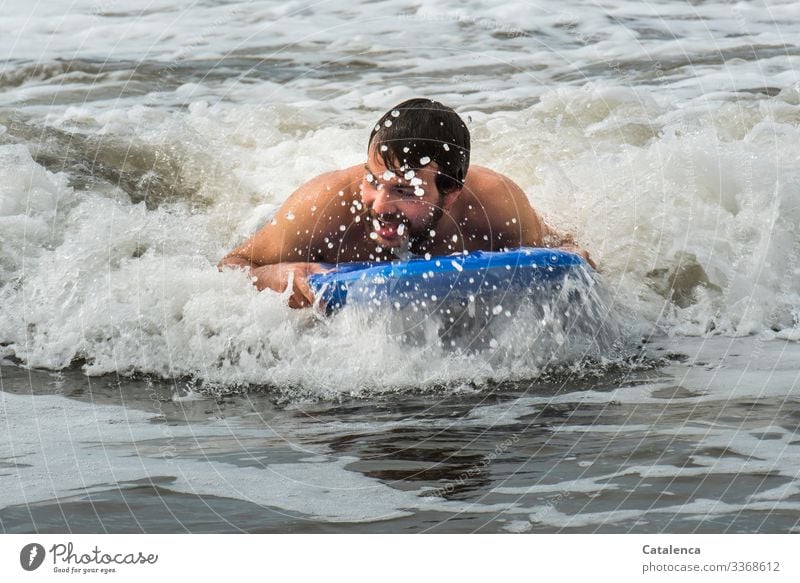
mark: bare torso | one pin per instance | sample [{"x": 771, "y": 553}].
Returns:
[{"x": 327, "y": 221}]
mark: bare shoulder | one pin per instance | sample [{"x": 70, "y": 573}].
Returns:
[
  {"x": 480, "y": 178},
  {"x": 302, "y": 221},
  {"x": 326, "y": 185},
  {"x": 317, "y": 201},
  {"x": 497, "y": 192},
  {"x": 499, "y": 202}
]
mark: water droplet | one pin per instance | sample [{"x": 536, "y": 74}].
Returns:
[
  {"x": 446, "y": 147},
  {"x": 289, "y": 216},
  {"x": 401, "y": 228},
  {"x": 388, "y": 175},
  {"x": 425, "y": 160},
  {"x": 388, "y": 123},
  {"x": 384, "y": 147},
  {"x": 497, "y": 310},
  {"x": 395, "y": 113}
]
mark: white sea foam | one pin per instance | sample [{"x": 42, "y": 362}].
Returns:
[{"x": 661, "y": 142}]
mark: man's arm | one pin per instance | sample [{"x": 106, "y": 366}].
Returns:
[
  {"x": 552, "y": 237},
  {"x": 565, "y": 241},
  {"x": 286, "y": 250},
  {"x": 297, "y": 228}
]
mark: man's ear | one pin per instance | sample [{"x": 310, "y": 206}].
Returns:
[{"x": 451, "y": 197}]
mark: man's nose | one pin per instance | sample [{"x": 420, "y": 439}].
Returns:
[{"x": 382, "y": 203}]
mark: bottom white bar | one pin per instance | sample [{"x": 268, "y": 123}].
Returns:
[{"x": 400, "y": 558}]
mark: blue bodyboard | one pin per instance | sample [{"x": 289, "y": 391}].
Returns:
[{"x": 429, "y": 282}]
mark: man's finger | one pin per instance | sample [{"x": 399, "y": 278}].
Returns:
[
  {"x": 297, "y": 301},
  {"x": 302, "y": 288},
  {"x": 293, "y": 290}
]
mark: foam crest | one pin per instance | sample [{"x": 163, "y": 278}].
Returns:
[
  {"x": 700, "y": 235},
  {"x": 123, "y": 181},
  {"x": 708, "y": 194},
  {"x": 134, "y": 290}
]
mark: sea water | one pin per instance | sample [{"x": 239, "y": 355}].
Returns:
[{"x": 139, "y": 145}]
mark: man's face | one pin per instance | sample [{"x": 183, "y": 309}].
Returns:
[{"x": 402, "y": 206}]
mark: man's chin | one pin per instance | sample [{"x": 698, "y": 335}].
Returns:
[{"x": 389, "y": 242}]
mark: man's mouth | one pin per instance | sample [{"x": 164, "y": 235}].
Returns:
[{"x": 389, "y": 229}]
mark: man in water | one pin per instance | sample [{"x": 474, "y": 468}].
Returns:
[{"x": 416, "y": 195}]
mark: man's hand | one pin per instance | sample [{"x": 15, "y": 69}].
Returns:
[
  {"x": 277, "y": 277},
  {"x": 579, "y": 251}
]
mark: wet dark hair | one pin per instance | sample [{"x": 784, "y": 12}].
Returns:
[{"x": 421, "y": 128}]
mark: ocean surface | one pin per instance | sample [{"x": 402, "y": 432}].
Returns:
[{"x": 142, "y": 390}]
